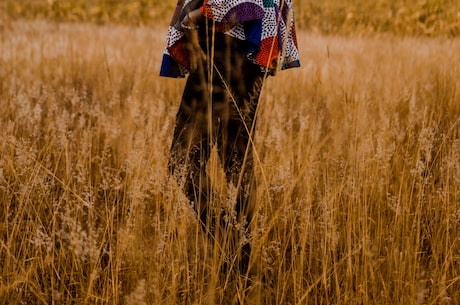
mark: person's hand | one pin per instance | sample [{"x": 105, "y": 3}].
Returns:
[{"x": 192, "y": 44}]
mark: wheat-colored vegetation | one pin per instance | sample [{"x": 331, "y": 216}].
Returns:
[
  {"x": 419, "y": 17},
  {"x": 358, "y": 166}
]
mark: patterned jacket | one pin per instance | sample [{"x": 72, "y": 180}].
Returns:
[{"x": 267, "y": 25}]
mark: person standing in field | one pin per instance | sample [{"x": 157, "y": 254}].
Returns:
[{"x": 228, "y": 48}]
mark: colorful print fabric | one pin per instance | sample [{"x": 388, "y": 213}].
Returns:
[{"x": 268, "y": 26}]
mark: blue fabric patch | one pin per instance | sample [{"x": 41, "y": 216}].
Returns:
[
  {"x": 269, "y": 3},
  {"x": 253, "y": 32},
  {"x": 169, "y": 67},
  {"x": 293, "y": 64}
]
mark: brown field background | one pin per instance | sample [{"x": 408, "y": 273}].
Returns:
[
  {"x": 358, "y": 161},
  {"x": 416, "y": 17}
]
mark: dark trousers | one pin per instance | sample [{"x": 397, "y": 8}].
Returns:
[{"x": 218, "y": 109}]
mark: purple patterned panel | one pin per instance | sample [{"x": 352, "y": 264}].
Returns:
[{"x": 244, "y": 12}]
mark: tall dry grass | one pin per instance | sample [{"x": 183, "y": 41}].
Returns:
[
  {"x": 358, "y": 164},
  {"x": 416, "y": 17}
]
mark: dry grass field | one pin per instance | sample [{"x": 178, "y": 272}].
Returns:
[
  {"x": 358, "y": 166},
  {"x": 415, "y": 17}
]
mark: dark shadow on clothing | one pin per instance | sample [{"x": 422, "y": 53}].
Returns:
[{"x": 218, "y": 108}]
